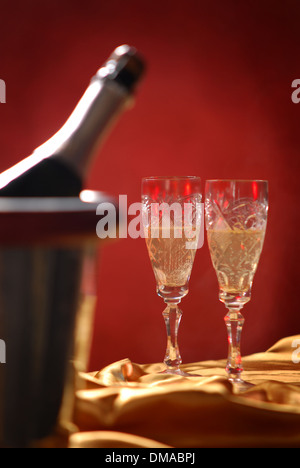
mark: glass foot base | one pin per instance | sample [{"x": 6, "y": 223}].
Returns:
[
  {"x": 179, "y": 372},
  {"x": 239, "y": 385}
]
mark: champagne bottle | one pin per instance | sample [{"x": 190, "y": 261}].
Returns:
[{"x": 59, "y": 167}]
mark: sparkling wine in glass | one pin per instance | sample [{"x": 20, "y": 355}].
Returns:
[
  {"x": 172, "y": 217},
  {"x": 236, "y": 220}
]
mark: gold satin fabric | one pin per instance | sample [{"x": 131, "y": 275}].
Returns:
[{"x": 131, "y": 405}]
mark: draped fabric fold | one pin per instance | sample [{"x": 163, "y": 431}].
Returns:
[{"x": 132, "y": 405}]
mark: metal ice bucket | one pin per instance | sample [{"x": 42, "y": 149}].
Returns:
[{"x": 47, "y": 293}]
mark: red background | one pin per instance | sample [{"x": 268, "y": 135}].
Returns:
[{"x": 216, "y": 102}]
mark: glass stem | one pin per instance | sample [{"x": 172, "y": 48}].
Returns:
[
  {"x": 234, "y": 322},
  {"x": 172, "y": 316}
]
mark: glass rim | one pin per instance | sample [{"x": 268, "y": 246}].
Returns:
[
  {"x": 171, "y": 178},
  {"x": 238, "y": 180}
]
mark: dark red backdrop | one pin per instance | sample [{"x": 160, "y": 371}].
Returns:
[{"x": 216, "y": 103}]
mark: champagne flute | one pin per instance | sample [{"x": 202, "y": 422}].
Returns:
[
  {"x": 236, "y": 220},
  {"x": 172, "y": 219}
]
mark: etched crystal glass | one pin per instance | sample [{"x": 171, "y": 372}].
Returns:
[
  {"x": 236, "y": 220},
  {"x": 172, "y": 222}
]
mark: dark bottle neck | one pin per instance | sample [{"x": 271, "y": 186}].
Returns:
[{"x": 77, "y": 141}]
